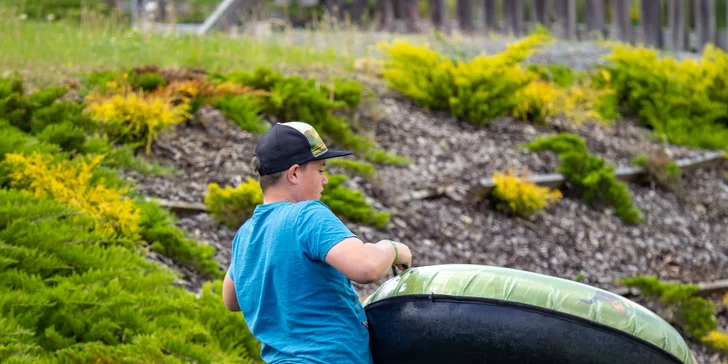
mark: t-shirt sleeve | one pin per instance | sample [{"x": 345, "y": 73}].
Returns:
[
  {"x": 231, "y": 271},
  {"x": 320, "y": 229}
]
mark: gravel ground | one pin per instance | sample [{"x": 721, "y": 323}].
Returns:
[{"x": 683, "y": 237}]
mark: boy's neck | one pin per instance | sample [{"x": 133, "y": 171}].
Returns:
[{"x": 277, "y": 195}]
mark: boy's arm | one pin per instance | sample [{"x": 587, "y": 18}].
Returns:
[
  {"x": 229, "y": 298},
  {"x": 366, "y": 263}
]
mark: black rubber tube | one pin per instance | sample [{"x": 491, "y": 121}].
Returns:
[{"x": 450, "y": 329}]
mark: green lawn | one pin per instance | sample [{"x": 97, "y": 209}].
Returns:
[{"x": 47, "y": 51}]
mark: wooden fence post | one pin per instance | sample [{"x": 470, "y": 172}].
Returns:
[
  {"x": 489, "y": 17},
  {"x": 622, "y": 20},
  {"x": 566, "y": 10},
  {"x": 412, "y": 15},
  {"x": 513, "y": 11},
  {"x": 651, "y": 16},
  {"x": 358, "y": 7},
  {"x": 540, "y": 12},
  {"x": 677, "y": 24},
  {"x": 384, "y": 15},
  {"x": 517, "y": 17},
  {"x": 465, "y": 15},
  {"x": 334, "y": 8},
  {"x": 438, "y": 13},
  {"x": 704, "y": 22},
  {"x": 595, "y": 17}
]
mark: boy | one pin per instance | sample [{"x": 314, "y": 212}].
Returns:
[{"x": 293, "y": 261}]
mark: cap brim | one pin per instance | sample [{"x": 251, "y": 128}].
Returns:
[{"x": 333, "y": 154}]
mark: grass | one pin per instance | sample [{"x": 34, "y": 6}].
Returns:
[{"x": 48, "y": 51}]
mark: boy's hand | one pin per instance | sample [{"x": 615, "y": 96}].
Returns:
[{"x": 404, "y": 257}]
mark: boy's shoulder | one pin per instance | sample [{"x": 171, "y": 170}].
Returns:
[
  {"x": 308, "y": 207},
  {"x": 288, "y": 211}
]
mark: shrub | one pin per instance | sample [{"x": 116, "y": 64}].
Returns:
[
  {"x": 133, "y": 117},
  {"x": 580, "y": 101},
  {"x": 58, "y": 112},
  {"x": 362, "y": 169},
  {"x": 101, "y": 81},
  {"x": 481, "y": 89},
  {"x": 558, "y": 74},
  {"x": 716, "y": 339},
  {"x": 19, "y": 108},
  {"x": 232, "y": 206},
  {"x": 118, "y": 157},
  {"x": 61, "y": 9},
  {"x": 46, "y": 96},
  {"x": 13, "y": 106},
  {"x": 535, "y": 102},
  {"x": 347, "y": 91},
  {"x": 74, "y": 183},
  {"x": 293, "y": 98},
  {"x": 173, "y": 74},
  {"x": 380, "y": 156},
  {"x": 66, "y": 135},
  {"x": 683, "y": 102},
  {"x": 589, "y": 175},
  {"x": 225, "y": 94},
  {"x": 157, "y": 228},
  {"x": 14, "y": 140},
  {"x": 68, "y": 294},
  {"x": 262, "y": 78},
  {"x": 244, "y": 110},
  {"x": 695, "y": 314},
  {"x": 351, "y": 204},
  {"x": 519, "y": 196},
  {"x": 661, "y": 169},
  {"x": 149, "y": 81}
]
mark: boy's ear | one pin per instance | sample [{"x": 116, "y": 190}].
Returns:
[{"x": 292, "y": 173}]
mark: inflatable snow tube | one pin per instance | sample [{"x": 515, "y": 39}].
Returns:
[{"x": 483, "y": 314}]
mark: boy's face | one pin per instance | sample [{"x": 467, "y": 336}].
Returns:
[{"x": 312, "y": 181}]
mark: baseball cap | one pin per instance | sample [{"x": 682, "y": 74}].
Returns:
[{"x": 286, "y": 144}]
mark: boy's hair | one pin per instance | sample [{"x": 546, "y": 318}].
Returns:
[{"x": 269, "y": 179}]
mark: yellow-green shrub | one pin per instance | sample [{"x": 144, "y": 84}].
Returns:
[
  {"x": 478, "y": 90},
  {"x": 684, "y": 102},
  {"x": 558, "y": 74},
  {"x": 72, "y": 183},
  {"x": 66, "y": 135},
  {"x": 294, "y": 98},
  {"x": 589, "y": 175},
  {"x": 148, "y": 81},
  {"x": 661, "y": 169},
  {"x": 231, "y": 206},
  {"x": 683, "y": 307},
  {"x": 133, "y": 117},
  {"x": 535, "y": 102},
  {"x": 519, "y": 196},
  {"x": 716, "y": 339},
  {"x": 583, "y": 102},
  {"x": 70, "y": 295},
  {"x": 351, "y": 204},
  {"x": 579, "y": 102},
  {"x": 362, "y": 169}
]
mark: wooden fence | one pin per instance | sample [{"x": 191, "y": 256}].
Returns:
[{"x": 672, "y": 24}]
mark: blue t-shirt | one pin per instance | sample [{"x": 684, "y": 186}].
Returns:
[{"x": 300, "y": 308}]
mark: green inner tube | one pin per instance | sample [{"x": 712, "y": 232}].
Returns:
[{"x": 557, "y": 294}]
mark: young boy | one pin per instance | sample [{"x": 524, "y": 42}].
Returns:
[{"x": 293, "y": 261}]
